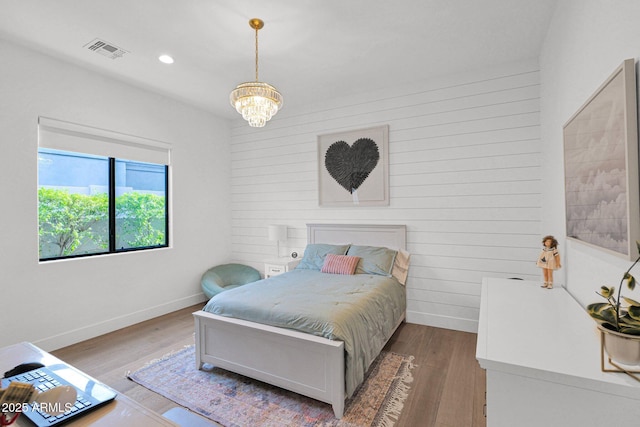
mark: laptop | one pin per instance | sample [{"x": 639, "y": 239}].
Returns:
[{"x": 91, "y": 394}]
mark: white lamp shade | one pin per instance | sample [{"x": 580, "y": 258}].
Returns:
[{"x": 277, "y": 232}]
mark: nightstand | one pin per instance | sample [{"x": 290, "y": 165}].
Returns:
[{"x": 273, "y": 267}]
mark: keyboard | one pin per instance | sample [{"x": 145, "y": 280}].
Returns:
[{"x": 44, "y": 379}]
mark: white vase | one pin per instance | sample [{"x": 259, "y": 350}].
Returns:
[{"x": 620, "y": 347}]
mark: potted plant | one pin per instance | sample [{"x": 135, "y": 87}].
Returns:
[{"x": 619, "y": 320}]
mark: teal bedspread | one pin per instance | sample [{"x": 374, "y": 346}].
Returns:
[{"x": 361, "y": 310}]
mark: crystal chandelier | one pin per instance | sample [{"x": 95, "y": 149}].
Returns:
[{"x": 256, "y": 101}]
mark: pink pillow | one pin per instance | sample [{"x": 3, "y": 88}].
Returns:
[{"x": 340, "y": 264}]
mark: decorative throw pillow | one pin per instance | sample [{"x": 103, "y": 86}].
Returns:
[
  {"x": 340, "y": 264},
  {"x": 401, "y": 266},
  {"x": 315, "y": 253}
]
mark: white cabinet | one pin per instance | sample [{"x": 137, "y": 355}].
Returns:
[
  {"x": 541, "y": 351},
  {"x": 279, "y": 266}
]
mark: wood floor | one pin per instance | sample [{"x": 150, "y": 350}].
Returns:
[{"x": 448, "y": 389}]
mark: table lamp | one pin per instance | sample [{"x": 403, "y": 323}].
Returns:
[{"x": 277, "y": 233}]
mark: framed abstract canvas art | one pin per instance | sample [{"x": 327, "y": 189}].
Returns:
[
  {"x": 353, "y": 168},
  {"x": 601, "y": 167}
]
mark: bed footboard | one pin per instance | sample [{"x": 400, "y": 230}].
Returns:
[{"x": 305, "y": 364}]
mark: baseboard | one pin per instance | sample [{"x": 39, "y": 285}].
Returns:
[
  {"x": 91, "y": 331},
  {"x": 457, "y": 324}
]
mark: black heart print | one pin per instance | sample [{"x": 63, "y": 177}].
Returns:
[{"x": 351, "y": 165}]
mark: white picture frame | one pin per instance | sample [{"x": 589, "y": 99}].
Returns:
[
  {"x": 601, "y": 167},
  {"x": 353, "y": 168}
]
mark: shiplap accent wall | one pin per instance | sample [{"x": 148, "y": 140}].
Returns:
[{"x": 464, "y": 173}]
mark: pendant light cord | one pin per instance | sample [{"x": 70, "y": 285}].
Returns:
[{"x": 256, "y": 54}]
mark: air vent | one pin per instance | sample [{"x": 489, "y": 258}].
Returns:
[{"x": 105, "y": 48}]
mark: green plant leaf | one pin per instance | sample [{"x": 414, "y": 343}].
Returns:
[
  {"x": 633, "y": 330},
  {"x": 607, "y": 292},
  {"x": 631, "y": 281},
  {"x": 628, "y": 320},
  {"x": 629, "y": 325},
  {"x": 634, "y": 313},
  {"x": 631, "y": 302},
  {"x": 603, "y": 312}
]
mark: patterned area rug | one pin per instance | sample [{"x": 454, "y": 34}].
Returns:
[{"x": 237, "y": 401}]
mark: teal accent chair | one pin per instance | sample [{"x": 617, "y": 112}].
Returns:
[{"x": 227, "y": 276}]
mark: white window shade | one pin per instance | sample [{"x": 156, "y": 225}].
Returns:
[{"x": 66, "y": 136}]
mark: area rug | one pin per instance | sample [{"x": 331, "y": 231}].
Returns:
[{"x": 237, "y": 401}]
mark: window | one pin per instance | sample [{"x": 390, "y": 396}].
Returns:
[{"x": 92, "y": 202}]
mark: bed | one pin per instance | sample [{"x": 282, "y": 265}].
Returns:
[{"x": 320, "y": 365}]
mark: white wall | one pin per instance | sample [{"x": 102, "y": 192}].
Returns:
[
  {"x": 465, "y": 159},
  {"x": 57, "y": 303},
  {"x": 587, "y": 40}
]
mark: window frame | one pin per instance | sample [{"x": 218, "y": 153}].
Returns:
[{"x": 122, "y": 144}]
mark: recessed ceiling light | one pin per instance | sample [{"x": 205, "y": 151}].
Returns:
[{"x": 165, "y": 59}]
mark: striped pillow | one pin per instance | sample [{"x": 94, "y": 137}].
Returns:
[{"x": 340, "y": 264}]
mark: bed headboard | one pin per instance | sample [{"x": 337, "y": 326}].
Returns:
[{"x": 390, "y": 236}]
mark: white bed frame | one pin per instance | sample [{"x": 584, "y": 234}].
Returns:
[{"x": 303, "y": 363}]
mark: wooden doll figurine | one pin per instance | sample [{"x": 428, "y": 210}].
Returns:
[{"x": 549, "y": 260}]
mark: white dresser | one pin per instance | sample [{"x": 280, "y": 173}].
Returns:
[{"x": 541, "y": 351}]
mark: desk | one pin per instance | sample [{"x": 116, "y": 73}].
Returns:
[
  {"x": 121, "y": 412},
  {"x": 541, "y": 351}
]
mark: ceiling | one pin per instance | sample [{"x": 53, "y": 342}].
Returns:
[{"x": 309, "y": 49}]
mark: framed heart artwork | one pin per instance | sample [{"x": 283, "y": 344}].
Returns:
[{"x": 353, "y": 168}]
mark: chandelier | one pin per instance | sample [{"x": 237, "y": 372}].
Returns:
[{"x": 256, "y": 101}]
